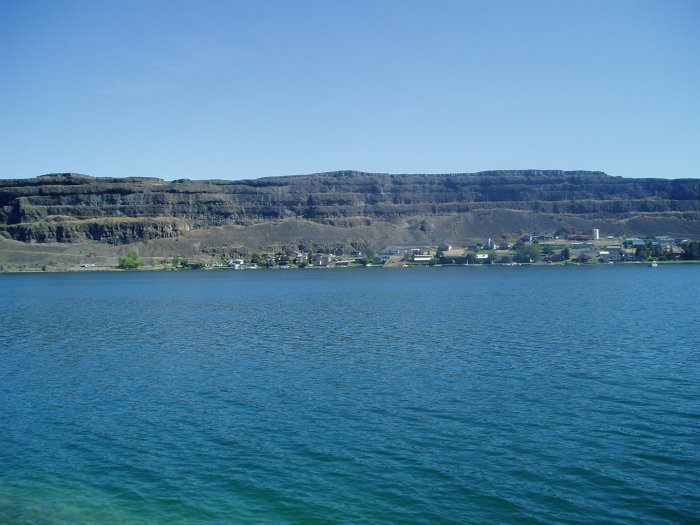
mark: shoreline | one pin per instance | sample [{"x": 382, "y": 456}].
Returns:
[{"x": 110, "y": 269}]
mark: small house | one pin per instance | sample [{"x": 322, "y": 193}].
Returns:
[{"x": 322, "y": 259}]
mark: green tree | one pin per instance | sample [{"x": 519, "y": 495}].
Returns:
[
  {"x": 650, "y": 250},
  {"x": 691, "y": 250},
  {"x": 643, "y": 252},
  {"x": 130, "y": 261},
  {"x": 528, "y": 253},
  {"x": 566, "y": 254},
  {"x": 257, "y": 258}
]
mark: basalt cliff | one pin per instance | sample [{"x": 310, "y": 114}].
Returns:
[{"x": 339, "y": 209}]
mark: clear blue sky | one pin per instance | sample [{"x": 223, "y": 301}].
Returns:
[{"x": 232, "y": 89}]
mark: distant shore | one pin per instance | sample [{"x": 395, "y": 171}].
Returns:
[
  {"x": 147, "y": 269},
  {"x": 527, "y": 250}
]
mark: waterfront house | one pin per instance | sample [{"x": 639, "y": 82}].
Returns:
[
  {"x": 634, "y": 243},
  {"x": 298, "y": 257},
  {"x": 453, "y": 259},
  {"x": 422, "y": 258},
  {"x": 615, "y": 253},
  {"x": 610, "y": 255},
  {"x": 554, "y": 257},
  {"x": 322, "y": 259},
  {"x": 581, "y": 245}
]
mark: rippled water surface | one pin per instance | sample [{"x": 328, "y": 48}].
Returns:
[{"x": 446, "y": 395}]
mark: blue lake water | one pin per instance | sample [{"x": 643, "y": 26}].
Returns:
[{"x": 436, "y": 395}]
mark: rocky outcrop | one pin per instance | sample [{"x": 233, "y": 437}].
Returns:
[
  {"x": 119, "y": 231},
  {"x": 72, "y": 207}
]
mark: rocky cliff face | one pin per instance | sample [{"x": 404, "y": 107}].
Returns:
[{"x": 72, "y": 207}]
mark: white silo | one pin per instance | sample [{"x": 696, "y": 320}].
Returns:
[{"x": 596, "y": 234}]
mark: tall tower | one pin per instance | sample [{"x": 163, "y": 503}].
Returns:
[{"x": 596, "y": 234}]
